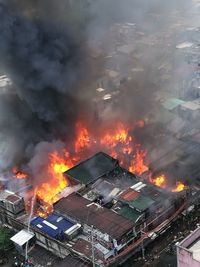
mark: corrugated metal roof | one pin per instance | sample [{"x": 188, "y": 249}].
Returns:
[
  {"x": 172, "y": 103},
  {"x": 129, "y": 195},
  {"x": 93, "y": 168},
  {"x": 90, "y": 213},
  {"x": 191, "y": 105},
  {"x": 13, "y": 198},
  {"x": 71, "y": 261},
  {"x": 141, "y": 203},
  {"x": 130, "y": 213},
  {"x": 85, "y": 247},
  {"x": 22, "y": 237},
  {"x": 136, "y": 200}
]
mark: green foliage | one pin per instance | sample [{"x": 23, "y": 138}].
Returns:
[{"x": 5, "y": 235}]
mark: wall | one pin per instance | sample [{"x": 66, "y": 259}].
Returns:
[
  {"x": 184, "y": 256},
  {"x": 185, "y": 259}
]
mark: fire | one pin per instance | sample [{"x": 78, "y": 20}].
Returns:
[
  {"x": 137, "y": 164},
  {"x": 19, "y": 174},
  {"x": 179, "y": 187},
  {"x": 118, "y": 143},
  {"x": 83, "y": 139},
  {"x": 45, "y": 210},
  {"x": 58, "y": 164},
  {"x": 159, "y": 181},
  {"x": 115, "y": 140}
]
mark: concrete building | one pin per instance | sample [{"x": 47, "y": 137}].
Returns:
[
  {"x": 110, "y": 214},
  {"x": 188, "y": 251}
]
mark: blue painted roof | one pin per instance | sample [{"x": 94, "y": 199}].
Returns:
[{"x": 54, "y": 225}]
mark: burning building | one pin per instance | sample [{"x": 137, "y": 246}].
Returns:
[
  {"x": 104, "y": 219},
  {"x": 101, "y": 208}
]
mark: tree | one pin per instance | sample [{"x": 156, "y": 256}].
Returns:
[{"x": 5, "y": 242}]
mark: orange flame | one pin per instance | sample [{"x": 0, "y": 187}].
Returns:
[
  {"x": 83, "y": 139},
  {"x": 119, "y": 135},
  {"x": 137, "y": 164},
  {"x": 118, "y": 143},
  {"x": 179, "y": 187},
  {"x": 19, "y": 174},
  {"x": 57, "y": 166},
  {"x": 46, "y": 209},
  {"x": 159, "y": 181}
]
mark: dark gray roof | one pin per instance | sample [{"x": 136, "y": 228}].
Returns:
[{"x": 93, "y": 168}]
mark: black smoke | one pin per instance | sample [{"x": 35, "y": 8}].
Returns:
[
  {"x": 44, "y": 60},
  {"x": 46, "y": 49}
]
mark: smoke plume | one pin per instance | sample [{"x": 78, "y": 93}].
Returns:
[{"x": 56, "y": 53}]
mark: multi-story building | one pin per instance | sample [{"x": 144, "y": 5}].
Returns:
[
  {"x": 188, "y": 250},
  {"x": 110, "y": 215}
]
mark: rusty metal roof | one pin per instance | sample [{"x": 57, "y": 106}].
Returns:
[
  {"x": 89, "y": 213},
  {"x": 129, "y": 195},
  {"x": 71, "y": 261},
  {"x": 85, "y": 247},
  {"x": 13, "y": 198}
]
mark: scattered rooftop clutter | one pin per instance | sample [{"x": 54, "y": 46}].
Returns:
[{"x": 109, "y": 216}]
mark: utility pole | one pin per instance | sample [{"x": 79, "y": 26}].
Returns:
[
  {"x": 143, "y": 249},
  {"x": 92, "y": 243}
]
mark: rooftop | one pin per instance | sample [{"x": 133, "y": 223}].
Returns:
[
  {"x": 121, "y": 178},
  {"x": 93, "y": 168},
  {"x": 172, "y": 103},
  {"x": 71, "y": 261},
  {"x": 13, "y": 198},
  {"x": 136, "y": 200},
  {"x": 129, "y": 195},
  {"x": 85, "y": 247},
  {"x": 192, "y": 244},
  {"x": 41, "y": 257},
  {"x": 101, "y": 218},
  {"x": 130, "y": 213},
  {"x": 141, "y": 203},
  {"x": 195, "y": 249},
  {"x": 192, "y": 105},
  {"x": 22, "y": 237},
  {"x": 54, "y": 225}
]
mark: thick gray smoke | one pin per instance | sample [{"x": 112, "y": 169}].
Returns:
[
  {"x": 44, "y": 61},
  {"x": 56, "y": 53}
]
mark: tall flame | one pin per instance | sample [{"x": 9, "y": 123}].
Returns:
[
  {"x": 116, "y": 141},
  {"x": 82, "y": 140},
  {"x": 137, "y": 164},
  {"x": 57, "y": 166},
  {"x": 119, "y": 135}
]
